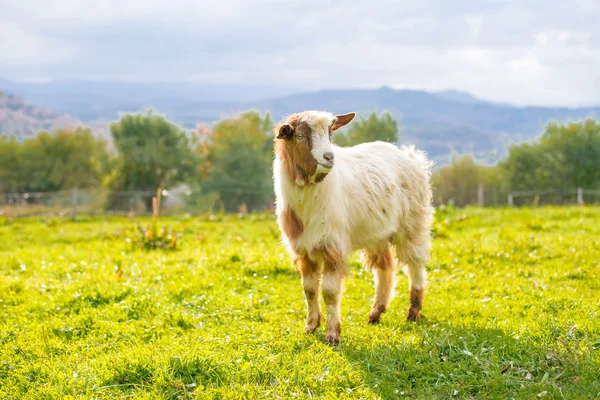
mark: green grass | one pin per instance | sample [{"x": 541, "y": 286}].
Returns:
[{"x": 512, "y": 312}]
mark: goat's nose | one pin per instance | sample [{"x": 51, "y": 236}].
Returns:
[{"x": 328, "y": 156}]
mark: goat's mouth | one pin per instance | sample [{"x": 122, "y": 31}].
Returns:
[
  {"x": 324, "y": 167},
  {"x": 322, "y": 171}
]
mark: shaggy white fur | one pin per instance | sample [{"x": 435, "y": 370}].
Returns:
[{"x": 376, "y": 194}]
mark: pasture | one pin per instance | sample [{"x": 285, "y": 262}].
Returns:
[{"x": 512, "y": 311}]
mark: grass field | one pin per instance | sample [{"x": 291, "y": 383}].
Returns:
[{"x": 512, "y": 312}]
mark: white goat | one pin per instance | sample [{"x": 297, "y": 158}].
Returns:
[{"x": 376, "y": 196}]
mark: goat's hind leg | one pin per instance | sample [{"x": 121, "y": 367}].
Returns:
[
  {"x": 383, "y": 266},
  {"x": 414, "y": 259}
]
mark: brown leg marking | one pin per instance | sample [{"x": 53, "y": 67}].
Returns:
[
  {"x": 311, "y": 280},
  {"x": 375, "y": 314},
  {"x": 332, "y": 297},
  {"x": 334, "y": 270},
  {"x": 382, "y": 264},
  {"x": 416, "y": 302}
]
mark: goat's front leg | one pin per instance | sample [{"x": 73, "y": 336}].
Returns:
[
  {"x": 311, "y": 279},
  {"x": 334, "y": 270}
]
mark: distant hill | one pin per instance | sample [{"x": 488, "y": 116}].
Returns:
[
  {"x": 92, "y": 100},
  {"x": 24, "y": 120},
  {"x": 439, "y": 122},
  {"x": 458, "y": 96}
]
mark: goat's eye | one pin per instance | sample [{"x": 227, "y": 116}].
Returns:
[{"x": 299, "y": 137}]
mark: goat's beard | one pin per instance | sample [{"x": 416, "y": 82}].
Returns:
[
  {"x": 303, "y": 178},
  {"x": 320, "y": 176},
  {"x": 320, "y": 173}
]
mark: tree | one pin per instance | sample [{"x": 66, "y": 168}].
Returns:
[
  {"x": 524, "y": 168},
  {"x": 153, "y": 153},
  {"x": 79, "y": 160},
  {"x": 10, "y": 170},
  {"x": 573, "y": 150},
  {"x": 564, "y": 158},
  {"x": 237, "y": 156},
  {"x": 48, "y": 162},
  {"x": 456, "y": 182},
  {"x": 374, "y": 128},
  {"x": 459, "y": 181}
]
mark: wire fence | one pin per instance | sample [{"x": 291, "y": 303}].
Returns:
[
  {"x": 100, "y": 201},
  {"x": 579, "y": 196},
  {"x": 494, "y": 196}
]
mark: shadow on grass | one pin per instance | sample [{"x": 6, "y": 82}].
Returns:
[{"x": 440, "y": 360}]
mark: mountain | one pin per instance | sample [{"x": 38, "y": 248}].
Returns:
[
  {"x": 23, "y": 119},
  {"x": 89, "y": 100},
  {"x": 458, "y": 96},
  {"x": 439, "y": 122}
]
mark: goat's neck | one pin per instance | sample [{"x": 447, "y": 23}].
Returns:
[
  {"x": 305, "y": 197},
  {"x": 301, "y": 196}
]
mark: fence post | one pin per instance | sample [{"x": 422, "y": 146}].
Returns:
[
  {"x": 480, "y": 199},
  {"x": 580, "y": 196},
  {"x": 510, "y": 199},
  {"x": 74, "y": 205}
]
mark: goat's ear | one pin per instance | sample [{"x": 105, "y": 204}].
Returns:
[
  {"x": 341, "y": 120},
  {"x": 285, "y": 131}
]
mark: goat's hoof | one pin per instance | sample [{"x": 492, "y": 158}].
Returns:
[
  {"x": 413, "y": 315},
  {"x": 374, "y": 317},
  {"x": 375, "y": 314},
  {"x": 332, "y": 338},
  {"x": 312, "y": 323},
  {"x": 310, "y": 328}
]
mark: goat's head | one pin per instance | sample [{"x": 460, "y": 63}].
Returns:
[{"x": 303, "y": 144}]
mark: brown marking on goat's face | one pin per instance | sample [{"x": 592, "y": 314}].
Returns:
[
  {"x": 293, "y": 145},
  {"x": 291, "y": 224},
  {"x": 295, "y": 153},
  {"x": 416, "y": 303}
]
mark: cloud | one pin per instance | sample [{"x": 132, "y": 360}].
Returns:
[
  {"x": 22, "y": 48},
  {"x": 534, "y": 52}
]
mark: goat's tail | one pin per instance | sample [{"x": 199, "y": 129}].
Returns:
[{"x": 419, "y": 155}]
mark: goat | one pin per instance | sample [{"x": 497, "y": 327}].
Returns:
[{"x": 331, "y": 201}]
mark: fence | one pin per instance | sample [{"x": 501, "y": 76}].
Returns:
[
  {"x": 579, "y": 196},
  {"x": 104, "y": 202},
  {"x": 100, "y": 201},
  {"x": 494, "y": 196},
  {"x": 464, "y": 195}
]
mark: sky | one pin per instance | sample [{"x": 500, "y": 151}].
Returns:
[{"x": 521, "y": 52}]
